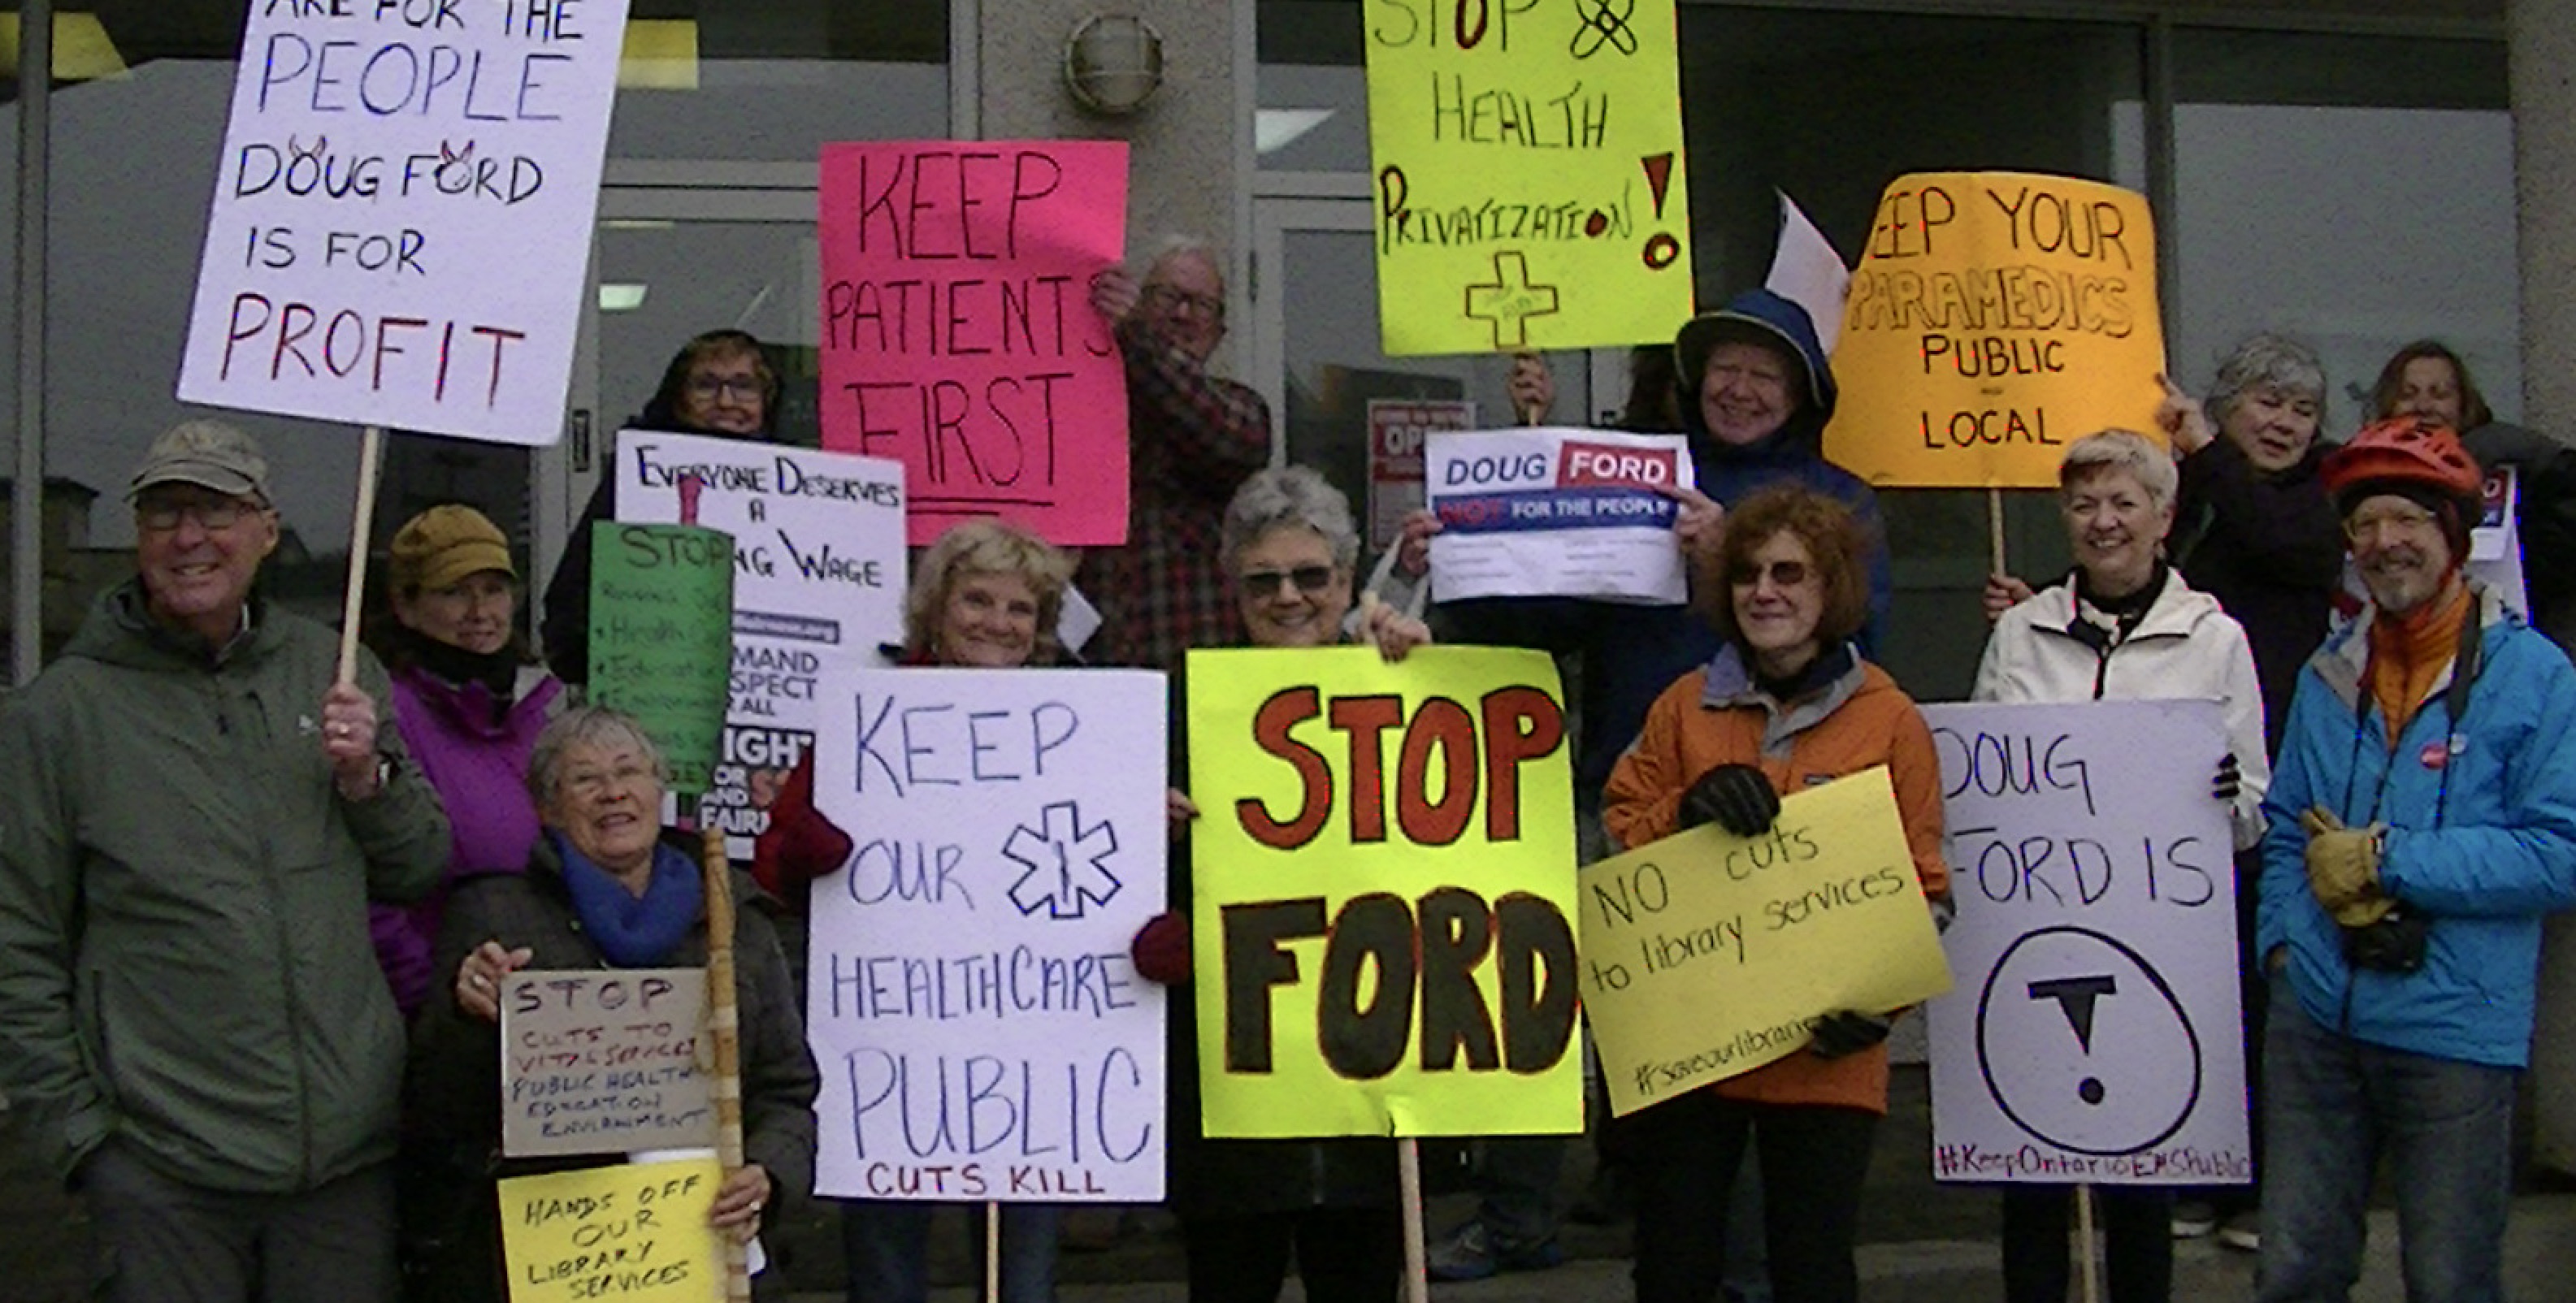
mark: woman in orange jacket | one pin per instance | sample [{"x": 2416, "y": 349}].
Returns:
[{"x": 1786, "y": 704}]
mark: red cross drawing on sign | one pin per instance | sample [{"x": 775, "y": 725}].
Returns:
[{"x": 1510, "y": 301}]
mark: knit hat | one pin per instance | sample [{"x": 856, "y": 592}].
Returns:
[
  {"x": 208, "y": 454},
  {"x": 441, "y": 546}
]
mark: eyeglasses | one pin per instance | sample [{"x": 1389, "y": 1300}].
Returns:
[
  {"x": 741, "y": 389},
  {"x": 1784, "y": 574},
  {"x": 1205, "y": 305},
  {"x": 161, "y": 517},
  {"x": 1271, "y": 583},
  {"x": 2397, "y": 520}
]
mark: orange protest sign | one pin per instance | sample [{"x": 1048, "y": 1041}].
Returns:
[{"x": 1995, "y": 318}]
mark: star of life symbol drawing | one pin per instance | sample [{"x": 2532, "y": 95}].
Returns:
[{"x": 1065, "y": 863}]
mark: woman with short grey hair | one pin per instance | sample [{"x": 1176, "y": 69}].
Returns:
[
  {"x": 2255, "y": 529},
  {"x": 2124, "y": 452},
  {"x": 1289, "y": 495},
  {"x": 600, "y": 889}
]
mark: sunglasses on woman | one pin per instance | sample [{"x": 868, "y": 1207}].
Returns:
[{"x": 1269, "y": 583}]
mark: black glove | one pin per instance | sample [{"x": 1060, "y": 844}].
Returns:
[
  {"x": 1738, "y": 798},
  {"x": 2230, "y": 779},
  {"x": 1848, "y": 1031}
]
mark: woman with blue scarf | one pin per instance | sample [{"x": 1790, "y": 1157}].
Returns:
[{"x": 600, "y": 890}]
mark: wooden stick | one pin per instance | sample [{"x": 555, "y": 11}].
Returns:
[
  {"x": 992, "y": 1253},
  {"x": 725, "y": 1027},
  {"x": 370, "y": 454},
  {"x": 2086, "y": 1260},
  {"x": 1995, "y": 528},
  {"x": 1408, "y": 1176}
]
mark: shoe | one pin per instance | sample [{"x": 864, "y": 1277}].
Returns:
[
  {"x": 2244, "y": 1231},
  {"x": 1469, "y": 1253},
  {"x": 2193, "y": 1218}
]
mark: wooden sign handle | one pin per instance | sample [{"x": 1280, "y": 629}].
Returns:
[
  {"x": 724, "y": 1024},
  {"x": 353, "y": 599}
]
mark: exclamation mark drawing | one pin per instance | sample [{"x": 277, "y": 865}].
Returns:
[{"x": 1661, "y": 248}]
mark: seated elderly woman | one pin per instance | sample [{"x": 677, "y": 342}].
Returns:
[
  {"x": 600, "y": 890},
  {"x": 2123, "y": 625},
  {"x": 1248, "y": 1206}
]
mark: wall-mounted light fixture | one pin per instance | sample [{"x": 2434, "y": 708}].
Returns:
[{"x": 1113, "y": 63}]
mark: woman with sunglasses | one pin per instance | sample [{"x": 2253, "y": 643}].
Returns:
[
  {"x": 1247, "y": 1206},
  {"x": 2122, "y": 625},
  {"x": 1786, "y": 703}
]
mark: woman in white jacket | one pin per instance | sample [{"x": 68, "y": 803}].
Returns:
[{"x": 2122, "y": 625}]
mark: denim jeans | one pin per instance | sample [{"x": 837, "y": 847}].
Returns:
[
  {"x": 2336, "y": 1106},
  {"x": 887, "y": 1245}
]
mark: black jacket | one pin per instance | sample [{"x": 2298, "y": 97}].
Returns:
[{"x": 2270, "y": 549}]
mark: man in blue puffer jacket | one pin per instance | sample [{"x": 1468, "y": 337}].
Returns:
[
  {"x": 1753, "y": 392},
  {"x": 2423, "y": 820}
]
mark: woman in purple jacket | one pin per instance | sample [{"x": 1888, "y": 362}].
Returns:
[{"x": 469, "y": 704}]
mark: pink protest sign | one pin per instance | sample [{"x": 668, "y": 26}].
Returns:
[{"x": 958, "y": 333}]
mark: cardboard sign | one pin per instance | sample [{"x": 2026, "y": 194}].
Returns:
[
  {"x": 1996, "y": 318},
  {"x": 2495, "y": 545},
  {"x": 958, "y": 333},
  {"x": 636, "y": 1232},
  {"x": 1530, "y": 188},
  {"x": 1384, "y": 874},
  {"x": 1707, "y": 955},
  {"x": 2095, "y": 1033},
  {"x": 1553, "y": 512},
  {"x": 604, "y": 1062},
  {"x": 982, "y": 1032},
  {"x": 818, "y": 581},
  {"x": 1397, "y": 428},
  {"x": 402, "y": 219},
  {"x": 661, "y": 637}
]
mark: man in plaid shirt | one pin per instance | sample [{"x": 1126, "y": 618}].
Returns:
[{"x": 1192, "y": 439}]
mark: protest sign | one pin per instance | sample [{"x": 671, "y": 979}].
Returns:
[
  {"x": 636, "y": 1232},
  {"x": 661, "y": 637},
  {"x": 2094, "y": 1035},
  {"x": 1384, "y": 879},
  {"x": 603, "y": 1062},
  {"x": 958, "y": 333},
  {"x": 402, "y": 219},
  {"x": 818, "y": 579},
  {"x": 982, "y": 1032},
  {"x": 1530, "y": 188},
  {"x": 1996, "y": 318},
  {"x": 2495, "y": 545},
  {"x": 1397, "y": 427},
  {"x": 1706, "y": 955},
  {"x": 1548, "y": 511}
]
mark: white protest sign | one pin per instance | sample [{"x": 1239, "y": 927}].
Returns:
[
  {"x": 603, "y": 1062},
  {"x": 981, "y": 1030},
  {"x": 2094, "y": 1034},
  {"x": 402, "y": 216},
  {"x": 2495, "y": 544},
  {"x": 1552, "y": 511},
  {"x": 818, "y": 581}
]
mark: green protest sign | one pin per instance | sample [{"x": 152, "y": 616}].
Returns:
[{"x": 661, "y": 637}]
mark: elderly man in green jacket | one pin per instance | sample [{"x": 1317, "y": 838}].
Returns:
[{"x": 193, "y": 816}]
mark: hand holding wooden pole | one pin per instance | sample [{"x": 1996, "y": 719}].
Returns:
[{"x": 370, "y": 453}]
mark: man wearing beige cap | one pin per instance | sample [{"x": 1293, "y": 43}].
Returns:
[{"x": 193, "y": 816}]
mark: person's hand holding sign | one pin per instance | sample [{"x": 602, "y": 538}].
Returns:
[
  {"x": 1114, "y": 294},
  {"x": 1391, "y": 631},
  {"x": 478, "y": 979},
  {"x": 1699, "y": 525},
  {"x": 1532, "y": 388},
  {"x": 739, "y": 1201},
  {"x": 349, "y": 741}
]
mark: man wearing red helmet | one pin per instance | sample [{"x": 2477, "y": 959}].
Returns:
[{"x": 2423, "y": 820}]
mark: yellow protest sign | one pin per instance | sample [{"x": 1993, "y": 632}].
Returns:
[
  {"x": 1995, "y": 318},
  {"x": 1383, "y": 896},
  {"x": 1530, "y": 190},
  {"x": 634, "y": 1232},
  {"x": 1705, "y": 955}
]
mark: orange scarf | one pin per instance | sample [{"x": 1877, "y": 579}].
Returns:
[{"x": 2408, "y": 652}]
